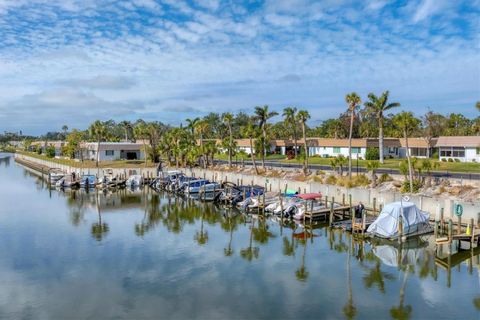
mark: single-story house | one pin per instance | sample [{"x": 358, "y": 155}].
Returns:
[
  {"x": 327, "y": 147},
  {"x": 109, "y": 151},
  {"x": 463, "y": 148},
  {"x": 419, "y": 147},
  {"x": 57, "y": 144}
]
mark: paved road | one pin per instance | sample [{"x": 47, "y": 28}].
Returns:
[{"x": 279, "y": 164}]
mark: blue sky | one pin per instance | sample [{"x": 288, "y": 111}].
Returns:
[{"x": 70, "y": 62}]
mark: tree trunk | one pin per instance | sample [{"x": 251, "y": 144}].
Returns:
[
  {"x": 145, "y": 151},
  {"x": 380, "y": 138},
  {"x": 253, "y": 157},
  {"x": 350, "y": 146},
  {"x": 305, "y": 162},
  {"x": 264, "y": 151},
  {"x": 126, "y": 135},
  {"x": 98, "y": 151},
  {"x": 230, "y": 147},
  {"x": 410, "y": 173},
  {"x": 295, "y": 139}
]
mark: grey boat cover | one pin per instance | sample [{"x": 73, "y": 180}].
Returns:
[{"x": 386, "y": 225}]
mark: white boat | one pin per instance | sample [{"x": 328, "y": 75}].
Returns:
[
  {"x": 192, "y": 187},
  {"x": 55, "y": 175},
  {"x": 387, "y": 225},
  {"x": 67, "y": 182},
  {"x": 134, "y": 180}
]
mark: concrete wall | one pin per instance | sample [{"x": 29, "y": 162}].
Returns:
[
  {"x": 97, "y": 171},
  {"x": 432, "y": 205}
]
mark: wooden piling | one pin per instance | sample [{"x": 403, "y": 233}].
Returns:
[
  {"x": 343, "y": 199},
  {"x": 442, "y": 221},
  {"x": 331, "y": 217},
  {"x": 364, "y": 222},
  {"x": 374, "y": 205},
  {"x": 459, "y": 225},
  {"x": 450, "y": 230}
]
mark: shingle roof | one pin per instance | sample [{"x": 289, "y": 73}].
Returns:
[{"x": 459, "y": 141}]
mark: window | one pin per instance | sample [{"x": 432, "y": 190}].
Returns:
[
  {"x": 458, "y": 152},
  {"x": 356, "y": 150},
  {"x": 445, "y": 152},
  {"x": 336, "y": 149},
  {"x": 109, "y": 152},
  {"x": 419, "y": 152}
]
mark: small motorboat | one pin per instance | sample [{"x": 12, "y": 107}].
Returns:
[
  {"x": 193, "y": 187},
  {"x": 135, "y": 180},
  {"x": 88, "y": 181},
  {"x": 55, "y": 175},
  {"x": 67, "y": 182}
]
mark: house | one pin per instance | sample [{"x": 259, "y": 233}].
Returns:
[
  {"x": 419, "y": 147},
  {"x": 57, "y": 144},
  {"x": 109, "y": 151},
  {"x": 327, "y": 147},
  {"x": 464, "y": 149}
]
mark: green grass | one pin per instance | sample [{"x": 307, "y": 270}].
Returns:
[
  {"x": 223, "y": 156},
  {"x": 91, "y": 164},
  {"x": 470, "y": 167}
]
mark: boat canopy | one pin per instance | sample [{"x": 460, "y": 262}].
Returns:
[
  {"x": 386, "y": 225},
  {"x": 309, "y": 196}
]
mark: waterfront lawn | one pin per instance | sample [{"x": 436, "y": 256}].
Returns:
[
  {"x": 223, "y": 156},
  {"x": 91, "y": 164},
  {"x": 470, "y": 167}
]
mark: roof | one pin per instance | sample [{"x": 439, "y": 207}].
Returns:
[
  {"x": 417, "y": 143},
  {"x": 327, "y": 142},
  {"x": 459, "y": 141},
  {"x": 55, "y": 143},
  {"x": 114, "y": 146}
]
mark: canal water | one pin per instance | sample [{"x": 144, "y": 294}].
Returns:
[{"x": 141, "y": 254}]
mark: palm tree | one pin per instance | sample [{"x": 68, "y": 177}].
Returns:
[
  {"x": 228, "y": 119},
  {"x": 201, "y": 236},
  {"x": 250, "y": 131},
  {"x": 353, "y": 101},
  {"x": 407, "y": 123},
  {"x": 477, "y": 105},
  {"x": 290, "y": 114},
  {"x": 98, "y": 131},
  {"x": 127, "y": 126},
  {"x": 302, "y": 117},
  {"x": 64, "y": 129},
  {"x": 228, "y": 251},
  {"x": 402, "y": 312},
  {"x": 377, "y": 106},
  {"x": 372, "y": 166},
  {"x": 201, "y": 128},
  {"x": 262, "y": 115},
  {"x": 191, "y": 124},
  {"x": 141, "y": 131}
]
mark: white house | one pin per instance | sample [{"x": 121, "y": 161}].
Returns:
[
  {"x": 465, "y": 149},
  {"x": 109, "y": 151},
  {"x": 419, "y": 148},
  {"x": 326, "y": 147}
]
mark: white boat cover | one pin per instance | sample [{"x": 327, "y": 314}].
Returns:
[{"x": 386, "y": 225}]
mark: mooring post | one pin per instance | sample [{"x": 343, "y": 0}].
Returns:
[
  {"x": 450, "y": 230},
  {"x": 435, "y": 230},
  {"x": 400, "y": 229},
  {"x": 331, "y": 213},
  {"x": 286, "y": 186},
  {"x": 281, "y": 207},
  {"x": 364, "y": 222},
  {"x": 442, "y": 221},
  {"x": 343, "y": 199},
  {"x": 374, "y": 205},
  {"x": 472, "y": 232},
  {"x": 326, "y": 201},
  {"x": 459, "y": 225}
]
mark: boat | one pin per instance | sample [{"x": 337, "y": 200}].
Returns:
[
  {"x": 134, "y": 180},
  {"x": 88, "y": 181},
  {"x": 193, "y": 186},
  {"x": 55, "y": 175},
  {"x": 301, "y": 202},
  {"x": 67, "y": 182},
  {"x": 413, "y": 221}
]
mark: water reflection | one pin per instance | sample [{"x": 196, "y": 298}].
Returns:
[{"x": 156, "y": 254}]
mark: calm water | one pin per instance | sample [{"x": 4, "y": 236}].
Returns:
[{"x": 131, "y": 255}]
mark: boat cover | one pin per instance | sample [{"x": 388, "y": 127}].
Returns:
[
  {"x": 386, "y": 225},
  {"x": 309, "y": 196}
]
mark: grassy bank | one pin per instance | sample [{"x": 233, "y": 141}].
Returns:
[{"x": 91, "y": 164}]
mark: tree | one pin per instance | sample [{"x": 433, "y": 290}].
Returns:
[
  {"x": 201, "y": 128},
  {"x": 477, "y": 105},
  {"x": 64, "y": 129},
  {"x": 191, "y": 123},
  {"x": 250, "y": 131},
  {"x": 228, "y": 119},
  {"x": 372, "y": 166},
  {"x": 433, "y": 126},
  {"x": 407, "y": 123},
  {"x": 141, "y": 132},
  {"x": 290, "y": 114},
  {"x": 127, "y": 127},
  {"x": 378, "y": 106},
  {"x": 98, "y": 131},
  {"x": 353, "y": 102},
  {"x": 262, "y": 115},
  {"x": 73, "y": 145},
  {"x": 302, "y": 117}
]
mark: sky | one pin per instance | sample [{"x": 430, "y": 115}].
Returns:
[{"x": 70, "y": 62}]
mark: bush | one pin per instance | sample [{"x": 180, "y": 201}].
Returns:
[
  {"x": 331, "y": 179},
  {"x": 435, "y": 155},
  {"x": 372, "y": 154},
  {"x": 50, "y": 151},
  {"x": 384, "y": 178},
  {"x": 456, "y": 160},
  {"x": 417, "y": 184},
  {"x": 39, "y": 150},
  {"x": 450, "y": 160},
  {"x": 444, "y": 160}
]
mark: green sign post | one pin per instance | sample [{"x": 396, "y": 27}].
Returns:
[{"x": 458, "y": 210}]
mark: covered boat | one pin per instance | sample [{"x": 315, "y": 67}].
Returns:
[
  {"x": 134, "y": 180},
  {"x": 414, "y": 221}
]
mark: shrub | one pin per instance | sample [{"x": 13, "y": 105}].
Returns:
[
  {"x": 361, "y": 180},
  {"x": 318, "y": 179},
  {"x": 331, "y": 179},
  {"x": 450, "y": 160},
  {"x": 417, "y": 184},
  {"x": 50, "y": 151},
  {"x": 444, "y": 160},
  {"x": 372, "y": 154},
  {"x": 384, "y": 178},
  {"x": 39, "y": 150},
  {"x": 456, "y": 160},
  {"x": 435, "y": 155}
]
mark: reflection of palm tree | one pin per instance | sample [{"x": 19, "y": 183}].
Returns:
[
  {"x": 376, "y": 277},
  {"x": 250, "y": 252},
  {"x": 201, "y": 236},
  {"x": 99, "y": 229},
  {"x": 261, "y": 233},
  {"x": 402, "y": 312},
  {"x": 349, "y": 309},
  {"x": 302, "y": 273},
  {"x": 228, "y": 251}
]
